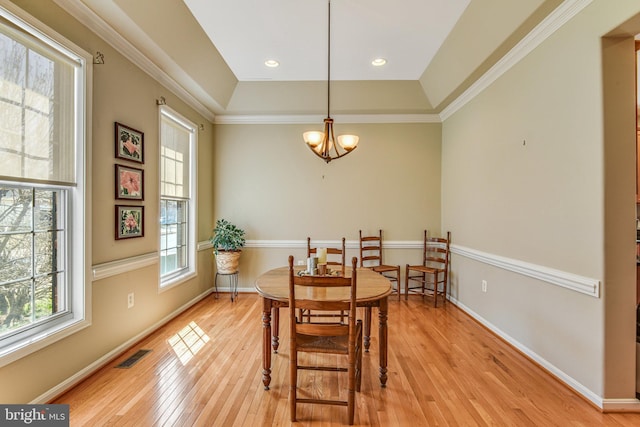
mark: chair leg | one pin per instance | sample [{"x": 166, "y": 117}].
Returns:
[
  {"x": 293, "y": 384},
  {"x": 351, "y": 396},
  {"x": 351, "y": 406},
  {"x": 398, "y": 282},
  {"x": 406, "y": 283},
  {"x": 444, "y": 289},
  {"x": 435, "y": 289},
  {"x": 359, "y": 358}
]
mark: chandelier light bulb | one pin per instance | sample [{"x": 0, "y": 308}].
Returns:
[
  {"x": 348, "y": 142},
  {"x": 313, "y": 137}
]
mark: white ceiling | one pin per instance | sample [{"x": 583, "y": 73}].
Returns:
[
  {"x": 407, "y": 33},
  {"x": 211, "y": 53}
]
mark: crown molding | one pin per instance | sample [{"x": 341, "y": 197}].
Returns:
[
  {"x": 91, "y": 20},
  {"x": 292, "y": 119},
  {"x": 555, "y": 20},
  {"x": 560, "y": 16}
]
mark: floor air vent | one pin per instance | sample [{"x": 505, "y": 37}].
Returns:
[{"x": 133, "y": 359}]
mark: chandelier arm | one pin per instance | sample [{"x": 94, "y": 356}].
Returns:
[
  {"x": 319, "y": 154},
  {"x": 328, "y": 128},
  {"x": 335, "y": 142}
]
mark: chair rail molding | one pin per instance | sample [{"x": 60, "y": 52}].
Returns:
[
  {"x": 574, "y": 282},
  {"x": 586, "y": 285},
  {"x": 293, "y": 244},
  {"x": 112, "y": 268}
]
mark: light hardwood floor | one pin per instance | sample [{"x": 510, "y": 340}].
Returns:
[{"x": 445, "y": 369}]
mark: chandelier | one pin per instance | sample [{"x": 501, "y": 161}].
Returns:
[{"x": 324, "y": 144}]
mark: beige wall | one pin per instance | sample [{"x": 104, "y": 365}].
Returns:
[
  {"x": 123, "y": 93},
  {"x": 269, "y": 183},
  {"x": 542, "y": 202},
  {"x": 530, "y": 155}
]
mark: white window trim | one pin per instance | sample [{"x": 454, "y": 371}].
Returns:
[
  {"x": 191, "y": 270},
  {"x": 80, "y": 235}
]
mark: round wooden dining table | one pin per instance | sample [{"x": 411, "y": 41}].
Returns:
[{"x": 372, "y": 291}]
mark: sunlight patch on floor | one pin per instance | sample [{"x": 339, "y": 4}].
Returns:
[{"x": 188, "y": 342}]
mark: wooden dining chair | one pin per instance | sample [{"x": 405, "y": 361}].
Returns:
[
  {"x": 371, "y": 257},
  {"x": 432, "y": 275},
  {"x": 337, "y": 254},
  {"x": 336, "y": 258},
  {"x": 339, "y": 338}
]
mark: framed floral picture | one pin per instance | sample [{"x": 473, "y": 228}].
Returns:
[
  {"x": 129, "y": 183},
  {"x": 129, "y": 143},
  {"x": 129, "y": 221}
]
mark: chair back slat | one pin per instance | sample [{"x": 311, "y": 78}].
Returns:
[
  {"x": 323, "y": 329},
  {"x": 436, "y": 250},
  {"x": 371, "y": 257},
  {"x": 325, "y": 281},
  {"x": 299, "y": 296},
  {"x": 339, "y": 252},
  {"x": 310, "y": 304},
  {"x": 370, "y": 250},
  {"x": 365, "y": 259}
]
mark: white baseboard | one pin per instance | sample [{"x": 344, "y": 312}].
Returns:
[
  {"x": 107, "y": 358},
  {"x": 549, "y": 367},
  {"x": 240, "y": 290},
  {"x": 621, "y": 405}
]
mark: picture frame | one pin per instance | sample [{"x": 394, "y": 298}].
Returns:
[
  {"x": 129, "y": 221},
  {"x": 129, "y": 183},
  {"x": 129, "y": 143}
]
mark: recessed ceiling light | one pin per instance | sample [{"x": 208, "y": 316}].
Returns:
[
  {"x": 378, "y": 62},
  {"x": 271, "y": 63}
]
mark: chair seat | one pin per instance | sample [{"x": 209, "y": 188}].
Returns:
[
  {"x": 384, "y": 268},
  {"x": 423, "y": 269}
]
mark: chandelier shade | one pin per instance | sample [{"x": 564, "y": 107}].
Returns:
[{"x": 323, "y": 144}]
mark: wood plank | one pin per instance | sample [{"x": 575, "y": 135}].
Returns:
[{"x": 444, "y": 369}]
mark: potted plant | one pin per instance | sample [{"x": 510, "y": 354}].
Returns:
[{"x": 227, "y": 241}]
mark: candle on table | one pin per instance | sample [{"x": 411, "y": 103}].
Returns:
[{"x": 322, "y": 255}]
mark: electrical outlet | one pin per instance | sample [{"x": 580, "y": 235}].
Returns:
[
  {"x": 130, "y": 300},
  {"x": 484, "y": 286}
]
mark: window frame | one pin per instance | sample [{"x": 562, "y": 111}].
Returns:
[
  {"x": 77, "y": 248},
  {"x": 183, "y": 274}
]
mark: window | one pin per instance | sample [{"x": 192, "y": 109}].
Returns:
[
  {"x": 177, "y": 205},
  {"x": 43, "y": 274}
]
